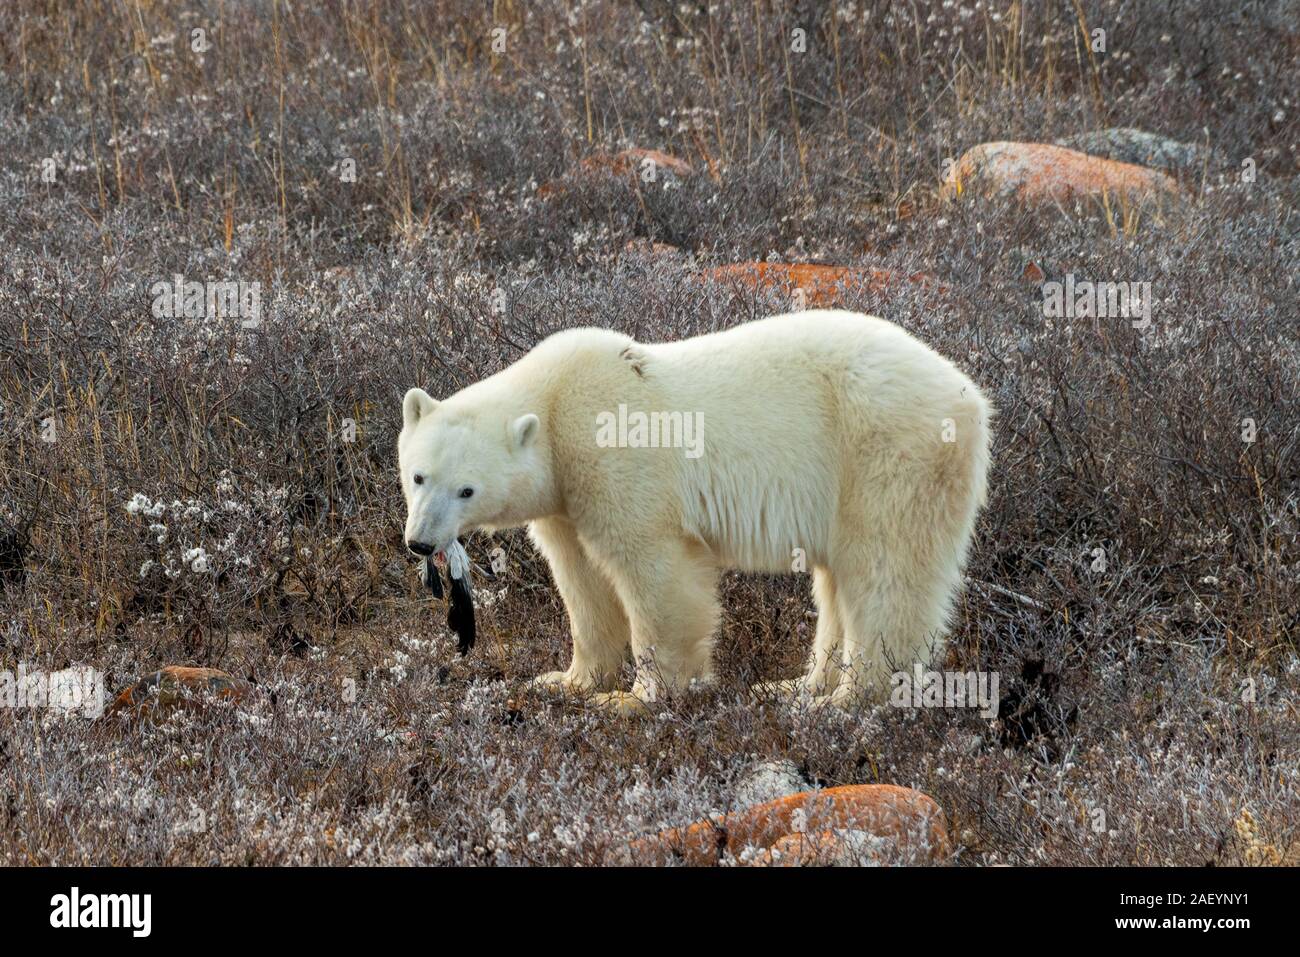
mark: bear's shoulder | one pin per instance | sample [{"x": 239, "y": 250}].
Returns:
[
  {"x": 588, "y": 345},
  {"x": 583, "y": 337}
]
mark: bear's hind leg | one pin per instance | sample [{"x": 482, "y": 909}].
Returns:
[
  {"x": 894, "y": 611},
  {"x": 601, "y": 636},
  {"x": 824, "y": 665},
  {"x": 828, "y": 645}
]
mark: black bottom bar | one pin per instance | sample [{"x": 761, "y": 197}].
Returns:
[{"x": 337, "y": 907}]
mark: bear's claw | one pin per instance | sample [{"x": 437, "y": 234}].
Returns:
[
  {"x": 555, "y": 681},
  {"x": 620, "y": 702}
]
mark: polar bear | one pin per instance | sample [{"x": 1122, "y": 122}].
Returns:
[{"x": 823, "y": 440}]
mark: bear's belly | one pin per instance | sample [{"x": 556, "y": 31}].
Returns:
[
  {"x": 780, "y": 531},
  {"x": 745, "y": 557}
]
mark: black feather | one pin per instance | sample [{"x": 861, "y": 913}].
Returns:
[
  {"x": 432, "y": 577},
  {"x": 460, "y": 614}
]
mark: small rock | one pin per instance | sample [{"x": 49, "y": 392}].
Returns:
[
  {"x": 1037, "y": 172},
  {"x": 176, "y": 686},
  {"x": 650, "y": 250},
  {"x": 1032, "y": 273},
  {"x": 911, "y": 825},
  {"x": 1025, "y": 267},
  {"x": 812, "y": 285},
  {"x": 1130, "y": 145},
  {"x": 636, "y": 161}
]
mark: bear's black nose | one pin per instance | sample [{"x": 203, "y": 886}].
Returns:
[{"x": 420, "y": 548}]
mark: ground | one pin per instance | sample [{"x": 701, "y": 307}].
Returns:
[{"x": 222, "y": 491}]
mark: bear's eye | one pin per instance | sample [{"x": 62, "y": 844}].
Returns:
[
  {"x": 467, "y": 492},
  {"x": 418, "y": 479}
]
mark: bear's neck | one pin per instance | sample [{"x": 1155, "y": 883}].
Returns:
[{"x": 536, "y": 497}]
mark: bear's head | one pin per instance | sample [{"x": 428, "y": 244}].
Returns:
[{"x": 467, "y": 465}]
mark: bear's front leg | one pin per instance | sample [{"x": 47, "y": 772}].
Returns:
[
  {"x": 668, "y": 588},
  {"x": 601, "y": 634}
]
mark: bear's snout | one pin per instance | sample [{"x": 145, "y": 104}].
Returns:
[{"x": 419, "y": 548}]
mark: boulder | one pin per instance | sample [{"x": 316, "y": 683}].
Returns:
[
  {"x": 817, "y": 286},
  {"x": 1039, "y": 172},
  {"x": 1129, "y": 145},
  {"x": 176, "y": 686},
  {"x": 909, "y": 825},
  {"x": 843, "y": 848},
  {"x": 628, "y": 164}
]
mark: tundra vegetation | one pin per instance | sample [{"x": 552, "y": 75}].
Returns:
[{"x": 422, "y": 191}]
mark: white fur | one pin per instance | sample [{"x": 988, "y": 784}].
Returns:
[{"x": 823, "y": 431}]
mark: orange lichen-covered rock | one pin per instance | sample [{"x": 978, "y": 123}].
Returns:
[
  {"x": 1039, "y": 172},
  {"x": 1033, "y": 273},
  {"x": 909, "y": 823},
  {"x": 633, "y": 164},
  {"x": 814, "y": 285},
  {"x": 176, "y": 686},
  {"x": 636, "y": 161},
  {"x": 826, "y": 849}
]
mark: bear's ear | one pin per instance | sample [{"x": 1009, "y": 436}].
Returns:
[
  {"x": 524, "y": 429},
  {"x": 416, "y": 406}
]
